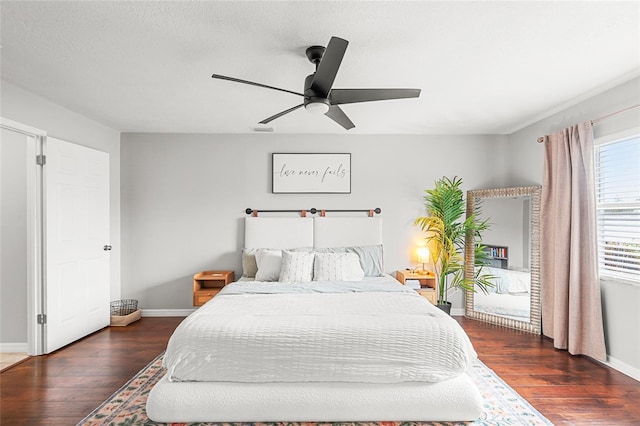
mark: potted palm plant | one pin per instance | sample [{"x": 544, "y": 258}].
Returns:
[{"x": 446, "y": 230}]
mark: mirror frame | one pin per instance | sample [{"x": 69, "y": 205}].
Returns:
[{"x": 473, "y": 197}]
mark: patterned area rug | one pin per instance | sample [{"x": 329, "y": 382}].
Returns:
[{"x": 502, "y": 405}]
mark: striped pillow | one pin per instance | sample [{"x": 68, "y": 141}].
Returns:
[
  {"x": 296, "y": 266},
  {"x": 337, "y": 267}
]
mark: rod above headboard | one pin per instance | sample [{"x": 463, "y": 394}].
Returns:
[{"x": 303, "y": 212}]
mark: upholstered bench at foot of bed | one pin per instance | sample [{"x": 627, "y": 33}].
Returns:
[{"x": 457, "y": 399}]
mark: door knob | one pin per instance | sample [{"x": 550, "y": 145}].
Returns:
[{"x": 107, "y": 248}]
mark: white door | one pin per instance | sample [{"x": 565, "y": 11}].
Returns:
[{"x": 77, "y": 242}]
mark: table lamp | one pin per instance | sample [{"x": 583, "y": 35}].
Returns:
[{"x": 423, "y": 257}]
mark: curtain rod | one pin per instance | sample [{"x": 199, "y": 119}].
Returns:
[
  {"x": 377, "y": 210},
  {"x": 604, "y": 117}
]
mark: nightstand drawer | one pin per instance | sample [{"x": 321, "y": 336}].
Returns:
[
  {"x": 429, "y": 294},
  {"x": 202, "y": 297}
]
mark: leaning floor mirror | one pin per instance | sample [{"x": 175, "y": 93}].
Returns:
[{"x": 512, "y": 246}]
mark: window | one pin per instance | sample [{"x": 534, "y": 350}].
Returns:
[{"x": 617, "y": 182}]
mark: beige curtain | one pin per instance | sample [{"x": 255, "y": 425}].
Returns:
[{"x": 571, "y": 306}]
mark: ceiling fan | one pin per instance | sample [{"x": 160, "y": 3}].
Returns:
[{"x": 319, "y": 95}]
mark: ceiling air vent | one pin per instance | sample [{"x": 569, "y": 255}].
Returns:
[{"x": 262, "y": 129}]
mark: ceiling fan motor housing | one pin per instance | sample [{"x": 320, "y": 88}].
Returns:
[{"x": 310, "y": 96}]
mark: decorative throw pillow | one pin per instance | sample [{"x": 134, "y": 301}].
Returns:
[
  {"x": 269, "y": 262},
  {"x": 337, "y": 267},
  {"x": 296, "y": 266}
]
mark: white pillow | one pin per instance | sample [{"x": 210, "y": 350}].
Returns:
[
  {"x": 296, "y": 266},
  {"x": 269, "y": 263},
  {"x": 337, "y": 267}
]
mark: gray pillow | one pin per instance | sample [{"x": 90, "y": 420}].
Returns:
[
  {"x": 249, "y": 264},
  {"x": 330, "y": 250},
  {"x": 371, "y": 259}
]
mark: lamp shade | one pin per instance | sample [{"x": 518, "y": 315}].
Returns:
[{"x": 423, "y": 255}]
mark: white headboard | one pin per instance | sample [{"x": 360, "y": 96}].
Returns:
[
  {"x": 278, "y": 232},
  {"x": 346, "y": 231},
  {"x": 293, "y": 232}
]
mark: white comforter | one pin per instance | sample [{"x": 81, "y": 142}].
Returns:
[
  {"x": 509, "y": 281},
  {"x": 375, "y": 331}
]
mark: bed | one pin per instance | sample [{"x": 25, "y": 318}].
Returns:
[
  {"x": 344, "y": 342},
  {"x": 510, "y": 297}
]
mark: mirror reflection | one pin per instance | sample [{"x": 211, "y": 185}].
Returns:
[
  {"x": 514, "y": 301},
  {"x": 507, "y": 244}
]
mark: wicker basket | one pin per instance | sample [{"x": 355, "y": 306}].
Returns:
[
  {"x": 124, "y": 307},
  {"x": 124, "y": 312}
]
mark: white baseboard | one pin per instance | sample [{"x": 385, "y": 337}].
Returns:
[
  {"x": 166, "y": 312},
  {"x": 14, "y": 347},
  {"x": 623, "y": 367}
]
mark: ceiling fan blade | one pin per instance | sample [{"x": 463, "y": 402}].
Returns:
[
  {"x": 329, "y": 65},
  {"x": 237, "y": 80},
  {"x": 337, "y": 114},
  {"x": 280, "y": 114},
  {"x": 351, "y": 96}
]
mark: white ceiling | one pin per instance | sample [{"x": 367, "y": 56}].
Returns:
[{"x": 483, "y": 67}]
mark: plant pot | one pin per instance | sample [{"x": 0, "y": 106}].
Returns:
[{"x": 446, "y": 307}]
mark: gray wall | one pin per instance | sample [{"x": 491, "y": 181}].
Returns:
[
  {"x": 621, "y": 302},
  {"x": 184, "y": 196},
  {"x": 24, "y": 107},
  {"x": 13, "y": 237}
]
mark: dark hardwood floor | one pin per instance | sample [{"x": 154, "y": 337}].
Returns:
[
  {"x": 568, "y": 390},
  {"x": 63, "y": 387}
]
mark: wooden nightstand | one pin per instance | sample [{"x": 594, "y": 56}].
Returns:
[
  {"x": 427, "y": 283},
  {"x": 207, "y": 284}
]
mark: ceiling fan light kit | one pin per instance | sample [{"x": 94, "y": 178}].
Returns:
[
  {"x": 317, "y": 108},
  {"x": 319, "y": 96}
]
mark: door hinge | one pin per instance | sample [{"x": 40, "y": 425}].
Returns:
[
  {"x": 41, "y": 160},
  {"x": 42, "y": 319}
]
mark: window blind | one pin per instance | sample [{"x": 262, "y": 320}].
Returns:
[{"x": 617, "y": 183}]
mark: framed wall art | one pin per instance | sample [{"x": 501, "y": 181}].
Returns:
[{"x": 312, "y": 173}]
